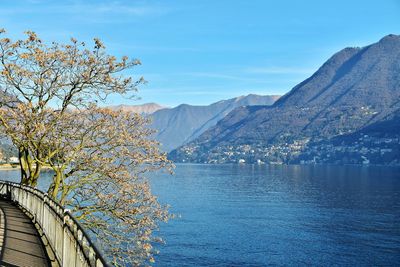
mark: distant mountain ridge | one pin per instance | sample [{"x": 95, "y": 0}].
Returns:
[
  {"x": 181, "y": 124},
  {"x": 355, "y": 88},
  {"x": 147, "y": 108}
]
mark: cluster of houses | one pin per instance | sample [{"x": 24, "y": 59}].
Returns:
[
  {"x": 10, "y": 160},
  {"x": 246, "y": 153},
  {"x": 364, "y": 150}
]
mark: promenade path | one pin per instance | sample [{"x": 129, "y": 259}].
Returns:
[
  {"x": 20, "y": 243},
  {"x": 60, "y": 240}
]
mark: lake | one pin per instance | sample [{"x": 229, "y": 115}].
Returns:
[{"x": 250, "y": 215}]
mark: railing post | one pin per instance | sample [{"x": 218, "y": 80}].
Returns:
[
  {"x": 8, "y": 186},
  {"x": 63, "y": 242}
]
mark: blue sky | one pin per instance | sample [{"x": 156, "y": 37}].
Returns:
[{"x": 199, "y": 52}]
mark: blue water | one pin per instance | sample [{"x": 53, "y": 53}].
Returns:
[{"x": 244, "y": 215}]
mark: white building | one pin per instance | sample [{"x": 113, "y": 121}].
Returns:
[{"x": 13, "y": 160}]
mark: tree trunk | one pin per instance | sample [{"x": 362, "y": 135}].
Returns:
[
  {"x": 35, "y": 176},
  {"x": 24, "y": 165},
  {"x": 55, "y": 187}
]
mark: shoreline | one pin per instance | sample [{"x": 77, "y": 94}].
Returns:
[
  {"x": 8, "y": 166},
  {"x": 16, "y": 166}
]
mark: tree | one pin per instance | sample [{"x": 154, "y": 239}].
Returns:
[{"x": 100, "y": 157}]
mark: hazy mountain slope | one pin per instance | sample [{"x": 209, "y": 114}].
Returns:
[
  {"x": 353, "y": 89},
  {"x": 147, "y": 108},
  {"x": 183, "y": 123}
]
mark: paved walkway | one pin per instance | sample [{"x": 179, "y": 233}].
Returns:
[{"x": 20, "y": 243}]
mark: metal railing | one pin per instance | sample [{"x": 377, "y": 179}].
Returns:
[{"x": 68, "y": 241}]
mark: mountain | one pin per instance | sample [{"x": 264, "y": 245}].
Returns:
[
  {"x": 181, "y": 124},
  {"x": 355, "y": 88},
  {"x": 147, "y": 108}
]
